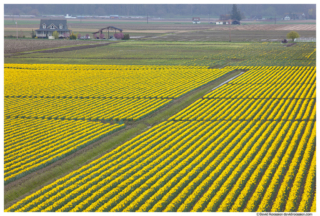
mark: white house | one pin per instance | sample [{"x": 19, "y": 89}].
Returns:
[
  {"x": 48, "y": 26},
  {"x": 286, "y": 18}
]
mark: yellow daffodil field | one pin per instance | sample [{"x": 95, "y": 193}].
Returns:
[
  {"x": 31, "y": 144},
  {"x": 52, "y": 111},
  {"x": 86, "y": 81},
  {"x": 248, "y": 145},
  {"x": 83, "y": 109}
]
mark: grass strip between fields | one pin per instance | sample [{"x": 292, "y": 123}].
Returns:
[{"x": 40, "y": 179}]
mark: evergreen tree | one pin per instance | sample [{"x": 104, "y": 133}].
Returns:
[
  {"x": 235, "y": 13},
  {"x": 33, "y": 35}
]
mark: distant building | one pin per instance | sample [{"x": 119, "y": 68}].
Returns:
[
  {"x": 48, "y": 26},
  {"x": 195, "y": 20},
  {"x": 294, "y": 16},
  {"x": 69, "y": 17},
  {"x": 222, "y": 22},
  {"x": 114, "y": 16},
  {"x": 286, "y": 18},
  {"x": 227, "y": 22},
  {"x": 235, "y": 22}
]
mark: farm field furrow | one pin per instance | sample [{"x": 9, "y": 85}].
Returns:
[
  {"x": 105, "y": 82},
  {"x": 248, "y": 145},
  {"x": 265, "y": 91},
  {"x": 53, "y": 106},
  {"x": 275, "y": 75},
  {"x": 192, "y": 157},
  {"x": 31, "y": 144},
  {"x": 248, "y": 109},
  {"x": 243, "y": 100},
  {"x": 84, "y": 109}
]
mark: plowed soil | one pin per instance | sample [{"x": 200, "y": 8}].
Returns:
[{"x": 22, "y": 45}]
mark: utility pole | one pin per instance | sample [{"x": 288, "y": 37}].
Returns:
[
  {"x": 229, "y": 30},
  {"x": 147, "y": 18},
  {"x": 17, "y": 29},
  {"x": 275, "y": 19}
]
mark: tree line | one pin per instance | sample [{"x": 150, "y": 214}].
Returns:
[{"x": 158, "y": 10}]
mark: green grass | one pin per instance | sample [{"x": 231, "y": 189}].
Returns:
[
  {"x": 21, "y": 22},
  {"x": 77, "y": 45},
  {"x": 41, "y": 179},
  {"x": 180, "y": 53}
]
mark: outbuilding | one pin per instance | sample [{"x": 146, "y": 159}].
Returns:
[
  {"x": 195, "y": 20},
  {"x": 222, "y": 22},
  {"x": 107, "y": 28},
  {"x": 235, "y": 22},
  {"x": 286, "y": 18}
]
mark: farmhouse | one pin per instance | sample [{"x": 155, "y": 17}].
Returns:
[
  {"x": 227, "y": 22},
  {"x": 48, "y": 26},
  {"x": 222, "y": 22},
  {"x": 195, "y": 20},
  {"x": 286, "y": 18}
]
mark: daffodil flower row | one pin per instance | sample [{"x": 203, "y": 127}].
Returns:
[
  {"x": 275, "y": 75},
  {"x": 185, "y": 166},
  {"x": 297, "y": 185},
  {"x": 81, "y": 81},
  {"x": 85, "y": 109},
  {"x": 31, "y": 144},
  {"x": 308, "y": 200},
  {"x": 248, "y": 109},
  {"x": 248, "y": 145},
  {"x": 264, "y": 91}
]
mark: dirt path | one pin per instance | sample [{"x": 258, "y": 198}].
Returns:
[
  {"x": 290, "y": 44},
  {"x": 74, "y": 48}
]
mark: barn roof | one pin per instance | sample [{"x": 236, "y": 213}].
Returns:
[{"x": 109, "y": 27}]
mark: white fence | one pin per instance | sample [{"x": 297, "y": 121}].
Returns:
[{"x": 305, "y": 40}]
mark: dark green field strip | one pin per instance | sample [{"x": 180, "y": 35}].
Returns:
[{"x": 159, "y": 53}]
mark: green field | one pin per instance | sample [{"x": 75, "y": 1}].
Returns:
[{"x": 180, "y": 53}]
